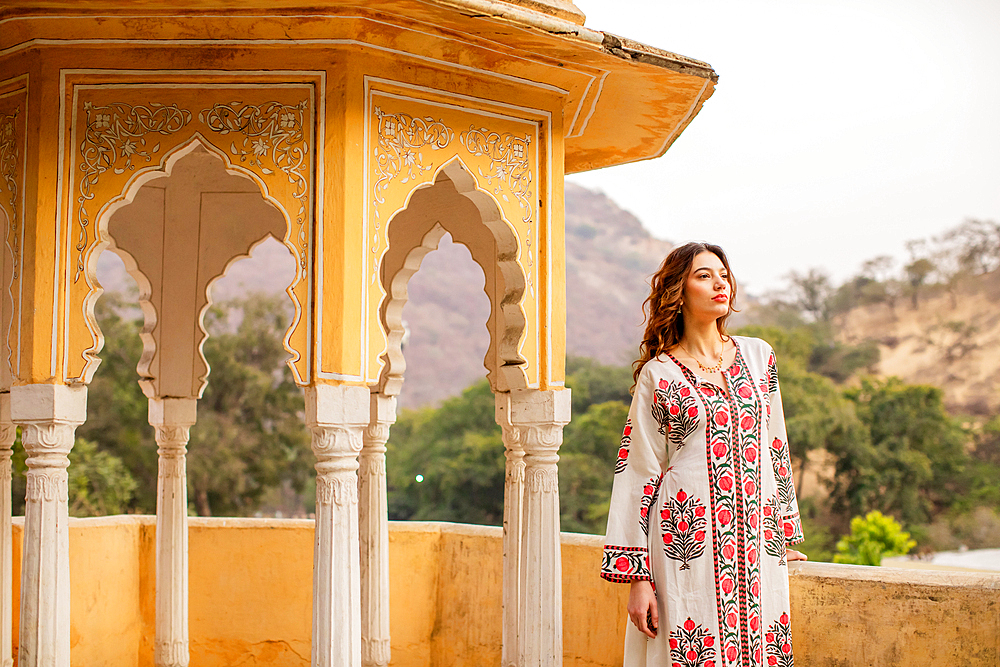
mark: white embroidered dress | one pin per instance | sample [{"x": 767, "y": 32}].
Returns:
[{"x": 703, "y": 505}]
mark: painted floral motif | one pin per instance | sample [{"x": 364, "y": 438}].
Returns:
[
  {"x": 691, "y": 646},
  {"x": 508, "y": 169},
  {"x": 649, "y": 493},
  {"x": 508, "y": 164},
  {"x": 398, "y": 153},
  {"x": 9, "y": 156},
  {"x": 273, "y": 134},
  {"x": 774, "y": 530},
  {"x": 625, "y": 564},
  {"x": 779, "y": 643},
  {"x": 675, "y": 409},
  {"x": 622, "y": 461},
  {"x": 682, "y": 522},
  {"x": 115, "y": 138}
]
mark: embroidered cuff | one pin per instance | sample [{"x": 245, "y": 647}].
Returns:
[
  {"x": 625, "y": 564},
  {"x": 793, "y": 528}
]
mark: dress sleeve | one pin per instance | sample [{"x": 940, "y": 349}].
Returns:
[
  {"x": 638, "y": 473},
  {"x": 780, "y": 458}
]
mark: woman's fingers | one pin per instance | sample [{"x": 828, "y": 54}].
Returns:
[
  {"x": 792, "y": 554},
  {"x": 642, "y": 608},
  {"x": 653, "y": 617}
]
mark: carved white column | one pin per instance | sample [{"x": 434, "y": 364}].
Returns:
[
  {"x": 337, "y": 416},
  {"x": 171, "y": 419},
  {"x": 8, "y": 433},
  {"x": 374, "y": 533},
  {"x": 48, "y": 416},
  {"x": 513, "y": 494},
  {"x": 539, "y": 417}
]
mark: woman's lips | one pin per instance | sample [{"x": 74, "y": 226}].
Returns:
[{"x": 720, "y": 298}]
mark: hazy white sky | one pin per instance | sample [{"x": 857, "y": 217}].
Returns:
[{"x": 838, "y": 130}]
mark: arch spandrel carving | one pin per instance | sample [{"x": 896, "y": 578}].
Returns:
[
  {"x": 13, "y": 152},
  {"x": 121, "y": 138},
  {"x": 410, "y": 136}
]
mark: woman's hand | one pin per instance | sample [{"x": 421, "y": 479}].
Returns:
[
  {"x": 642, "y": 605},
  {"x": 792, "y": 554}
]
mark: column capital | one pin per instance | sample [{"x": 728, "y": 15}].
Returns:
[
  {"x": 48, "y": 403},
  {"x": 337, "y": 405},
  {"x": 173, "y": 411},
  {"x": 383, "y": 409},
  {"x": 8, "y": 431},
  {"x": 526, "y": 407}
]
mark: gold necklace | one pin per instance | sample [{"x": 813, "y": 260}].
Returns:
[{"x": 706, "y": 369}]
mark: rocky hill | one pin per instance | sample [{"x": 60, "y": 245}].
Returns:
[
  {"x": 949, "y": 340},
  {"x": 609, "y": 259}
]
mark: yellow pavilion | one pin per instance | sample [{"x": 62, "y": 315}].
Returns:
[{"x": 179, "y": 134}]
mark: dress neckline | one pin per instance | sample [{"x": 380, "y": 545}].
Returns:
[{"x": 696, "y": 379}]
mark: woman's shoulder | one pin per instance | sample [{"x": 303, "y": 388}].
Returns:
[
  {"x": 753, "y": 346},
  {"x": 660, "y": 366}
]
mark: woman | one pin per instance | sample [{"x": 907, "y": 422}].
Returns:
[{"x": 703, "y": 504}]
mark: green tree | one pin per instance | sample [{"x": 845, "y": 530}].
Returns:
[
  {"x": 917, "y": 273},
  {"x": 117, "y": 413},
  {"x": 913, "y": 462},
  {"x": 250, "y": 435},
  {"x": 873, "y": 538},
  {"x": 593, "y": 382},
  {"x": 811, "y": 292},
  {"x": 99, "y": 482},
  {"x": 586, "y": 462},
  {"x": 447, "y": 463}
]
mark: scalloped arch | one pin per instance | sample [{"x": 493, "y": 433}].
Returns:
[
  {"x": 454, "y": 204},
  {"x": 149, "y": 364}
]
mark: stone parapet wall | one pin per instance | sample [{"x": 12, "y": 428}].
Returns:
[{"x": 251, "y": 599}]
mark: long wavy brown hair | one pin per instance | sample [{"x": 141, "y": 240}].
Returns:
[{"x": 662, "y": 309}]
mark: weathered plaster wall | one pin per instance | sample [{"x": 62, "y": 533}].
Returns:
[{"x": 251, "y": 582}]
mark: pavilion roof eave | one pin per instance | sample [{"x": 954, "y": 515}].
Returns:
[
  {"x": 637, "y": 102},
  {"x": 601, "y": 143}
]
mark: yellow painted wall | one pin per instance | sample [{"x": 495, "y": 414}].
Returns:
[{"x": 251, "y": 592}]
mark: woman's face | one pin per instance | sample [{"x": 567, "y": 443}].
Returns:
[{"x": 707, "y": 291}]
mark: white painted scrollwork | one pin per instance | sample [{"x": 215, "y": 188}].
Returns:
[
  {"x": 509, "y": 170},
  {"x": 273, "y": 138},
  {"x": 114, "y": 139},
  {"x": 9, "y": 156},
  {"x": 398, "y": 154}
]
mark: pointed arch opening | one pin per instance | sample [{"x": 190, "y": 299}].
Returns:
[
  {"x": 453, "y": 205},
  {"x": 178, "y": 230}
]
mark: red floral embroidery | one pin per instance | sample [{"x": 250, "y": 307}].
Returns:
[
  {"x": 623, "y": 448},
  {"x": 683, "y": 522},
  {"x": 649, "y": 492},
  {"x": 691, "y": 646},
  {"x": 625, "y": 564},
  {"x": 779, "y": 643},
  {"x": 774, "y": 533},
  {"x": 675, "y": 409}
]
